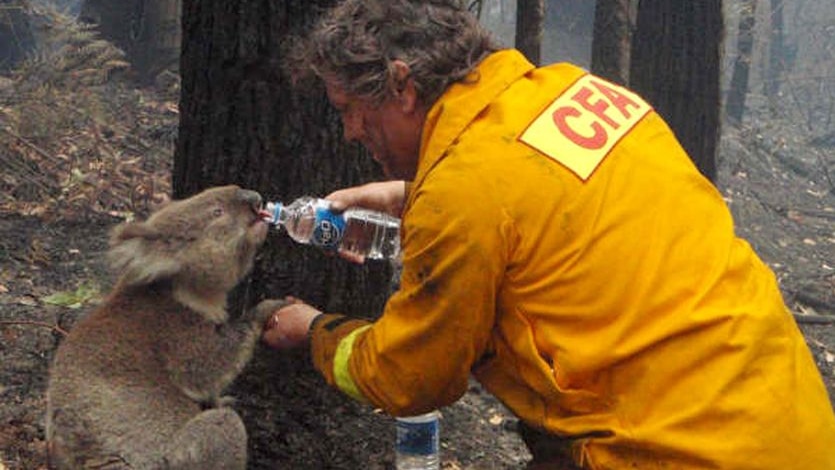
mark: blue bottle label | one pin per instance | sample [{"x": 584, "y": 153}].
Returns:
[
  {"x": 417, "y": 438},
  {"x": 328, "y": 229}
]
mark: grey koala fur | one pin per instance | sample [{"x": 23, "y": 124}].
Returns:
[{"x": 137, "y": 383}]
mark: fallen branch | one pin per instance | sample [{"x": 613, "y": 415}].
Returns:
[
  {"x": 814, "y": 302},
  {"x": 817, "y": 343},
  {"x": 35, "y": 323},
  {"x": 816, "y": 213},
  {"x": 811, "y": 319},
  {"x": 29, "y": 144},
  {"x": 32, "y": 175}
]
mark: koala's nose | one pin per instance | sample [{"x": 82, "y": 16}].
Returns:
[{"x": 250, "y": 197}]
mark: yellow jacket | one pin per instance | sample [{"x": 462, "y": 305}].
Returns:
[{"x": 559, "y": 244}]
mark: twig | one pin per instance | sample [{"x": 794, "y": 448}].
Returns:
[
  {"x": 817, "y": 343},
  {"x": 825, "y": 169},
  {"x": 812, "y": 319},
  {"x": 29, "y": 144},
  {"x": 34, "y": 176},
  {"x": 816, "y": 213},
  {"x": 812, "y": 301},
  {"x": 35, "y": 323}
]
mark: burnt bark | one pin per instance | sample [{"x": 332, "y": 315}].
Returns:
[
  {"x": 612, "y": 38},
  {"x": 675, "y": 65},
  {"x": 778, "y": 60},
  {"x": 242, "y": 123},
  {"x": 148, "y": 31},
  {"x": 16, "y": 37},
  {"x": 530, "y": 15},
  {"x": 735, "y": 105}
]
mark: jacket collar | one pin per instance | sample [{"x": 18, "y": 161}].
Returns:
[{"x": 463, "y": 101}]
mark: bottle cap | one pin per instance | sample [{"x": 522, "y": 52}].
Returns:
[
  {"x": 277, "y": 207},
  {"x": 276, "y": 211}
]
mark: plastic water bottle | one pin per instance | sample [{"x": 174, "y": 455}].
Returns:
[
  {"x": 417, "y": 446},
  {"x": 360, "y": 233}
]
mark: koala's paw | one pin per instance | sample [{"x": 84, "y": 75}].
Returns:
[{"x": 265, "y": 309}]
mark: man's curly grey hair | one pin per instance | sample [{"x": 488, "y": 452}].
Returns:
[{"x": 353, "y": 45}]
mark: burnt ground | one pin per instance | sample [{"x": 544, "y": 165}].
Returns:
[
  {"x": 41, "y": 258},
  {"x": 785, "y": 213}
]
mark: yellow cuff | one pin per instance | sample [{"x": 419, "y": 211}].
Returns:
[{"x": 341, "y": 374}]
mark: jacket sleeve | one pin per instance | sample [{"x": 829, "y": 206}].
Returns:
[
  {"x": 332, "y": 336},
  {"x": 418, "y": 355}
]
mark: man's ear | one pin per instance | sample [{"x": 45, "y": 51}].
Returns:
[{"x": 403, "y": 86}]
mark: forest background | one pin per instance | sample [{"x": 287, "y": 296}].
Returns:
[{"x": 88, "y": 136}]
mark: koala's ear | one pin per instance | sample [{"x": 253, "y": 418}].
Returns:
[{"x": 133, "y": 254}]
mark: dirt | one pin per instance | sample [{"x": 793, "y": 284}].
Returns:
[{"x": 41, "y": 258}]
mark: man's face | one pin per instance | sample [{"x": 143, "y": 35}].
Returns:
[{"x": 389, "y": 130}]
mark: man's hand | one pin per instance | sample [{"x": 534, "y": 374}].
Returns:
[
  {"x": 386, "y": 196},
  {"x": 288, "y": 326}
]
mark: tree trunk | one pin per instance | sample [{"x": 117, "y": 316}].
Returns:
[
  {"x": 735, "y": 106},
  {"x": 612, "y": 39},
  {"x": 777, "y": 54},
  {"x": 16, "y": 38},
  {"x": 162, "y": 37},
  {"x": 529, "y": 18},
  {"x": 241, "y": 123},
  {"x": 148, "y": 31},
  {"x": 675, "y": 66}
]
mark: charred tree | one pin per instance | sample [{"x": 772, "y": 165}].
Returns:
[
  {"x": 738, "y": 90},
  {"x": 778, "y": 61},
  {"x": 148, "y": 31},
  {"x": 530, "y": 15},
  {"x": 675, "y": 65},
  {"x": 242, "y": 123},
  {"x": 612, "y": 39},
  {"x": 16, "y": 37}
]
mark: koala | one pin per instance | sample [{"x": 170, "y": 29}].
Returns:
[{"x": 137, "y": 383}]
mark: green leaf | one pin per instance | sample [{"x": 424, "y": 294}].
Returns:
[{"x": 73, "y": 299}]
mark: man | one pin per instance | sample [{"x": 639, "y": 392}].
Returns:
[{"x": 559, "y": 245}]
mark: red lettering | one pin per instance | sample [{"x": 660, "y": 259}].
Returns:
[
  {"x": 595, "y": 141},
  {"x": 619, "y": 100},
  {"x": 599, "y": 107}
]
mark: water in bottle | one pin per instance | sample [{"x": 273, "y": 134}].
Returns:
[
  {"x": 417, "y": 445},
  {"x": 360, "y": 233}
]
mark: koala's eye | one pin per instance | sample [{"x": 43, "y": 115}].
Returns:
[{"x": 217, "y": 212}]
